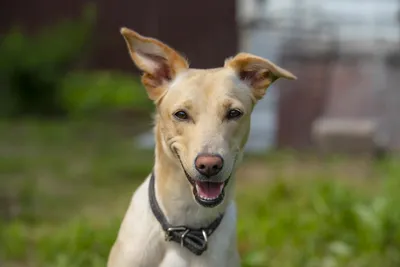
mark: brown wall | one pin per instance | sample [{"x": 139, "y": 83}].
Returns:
[
  {"x": 205, "y": 31},
  {"x": 303, "y": 101}
]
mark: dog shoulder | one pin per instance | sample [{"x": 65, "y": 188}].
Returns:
[
  {"x": 138, "y": 216},
  {"x": 138, "y": 240}
]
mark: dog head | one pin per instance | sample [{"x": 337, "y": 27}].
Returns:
[{"x": 203, "y": 114}]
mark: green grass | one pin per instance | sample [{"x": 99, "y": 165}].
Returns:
[{"x": 69, "y": 184}]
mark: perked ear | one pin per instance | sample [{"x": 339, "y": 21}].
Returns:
[
  {"x": 257, "y": 72},
  {"x": 159, "y": 63}
]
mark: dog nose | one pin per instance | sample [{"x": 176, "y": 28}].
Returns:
[{"x": 209, "y": 165}]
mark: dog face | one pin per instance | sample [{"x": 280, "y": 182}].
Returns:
[{"x": 203, "y": 115}]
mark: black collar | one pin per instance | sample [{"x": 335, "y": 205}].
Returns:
[{"x": 193, "y": 239}]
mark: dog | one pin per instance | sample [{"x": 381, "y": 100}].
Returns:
[{"x": 184, "y": 213}]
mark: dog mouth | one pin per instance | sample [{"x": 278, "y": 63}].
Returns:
[
  {"x": 208, "y": 190},
  {"x": 208, "y": 194}
]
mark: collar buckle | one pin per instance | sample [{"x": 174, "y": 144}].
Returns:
[
  {"x": 168, "y": 236},
  {"x": 185, "y": 231},
  {"x": 183, "y": 236},
  {"x": 205, "y": 236}
]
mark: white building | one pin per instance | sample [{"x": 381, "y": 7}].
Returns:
[{"x": 368, "y": 26}]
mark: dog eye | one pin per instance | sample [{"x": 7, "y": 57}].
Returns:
[
  {"x": 234, "y": 114},
  {"x": 181, "y": 115}
]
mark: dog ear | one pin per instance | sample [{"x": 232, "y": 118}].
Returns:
[
  {"x": 159, "y": 63},
  {"x": 257, "y": 72}
]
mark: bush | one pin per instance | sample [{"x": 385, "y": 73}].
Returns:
[
  {"x": 90, "y": 92},
  {"x": 32, "y": 67}
]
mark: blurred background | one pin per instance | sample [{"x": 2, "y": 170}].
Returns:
[{"x": 320, "y": 181}]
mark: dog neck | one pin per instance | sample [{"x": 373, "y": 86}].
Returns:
[{"x": 174, "y": 192}]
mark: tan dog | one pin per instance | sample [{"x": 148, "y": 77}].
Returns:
[{"x": 184, "y": 214}]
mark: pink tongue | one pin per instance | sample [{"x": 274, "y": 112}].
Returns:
[{"x": 209, "y": 190}]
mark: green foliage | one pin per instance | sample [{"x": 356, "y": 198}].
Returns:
[
  {"x": 38, "y": 74},
  {"x": 82, "y": 174},
  {"x": 85, "y": 92},
  {"x": 318, "y": 222},
  {"x": 32, "y": 67},
  {"x": 78, "y": 244}
]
